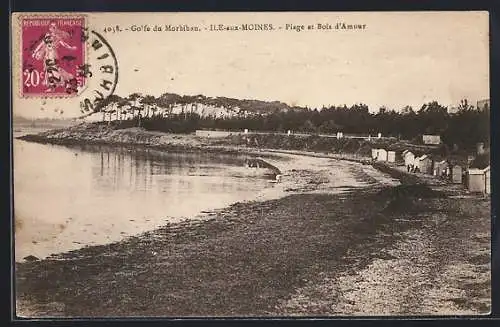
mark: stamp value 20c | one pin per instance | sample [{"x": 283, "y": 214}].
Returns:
[{"x": 52, "y": 56}]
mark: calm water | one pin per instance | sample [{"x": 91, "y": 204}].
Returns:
[{"x": 69, "y": 197}]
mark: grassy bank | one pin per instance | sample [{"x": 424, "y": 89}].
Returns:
[{"x": 102, "y": 133}]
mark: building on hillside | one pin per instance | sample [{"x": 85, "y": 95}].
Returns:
[
  {"x": 483, "y": 105},
  {"x": 424, "y": 164},
  {"x": 374, "y": 153},
  {"x": 431, "y": 139},
  {"x": 391, "y": 156},
  {"x": 456, "y": 174},
  {"x": 382, "y": 155}
]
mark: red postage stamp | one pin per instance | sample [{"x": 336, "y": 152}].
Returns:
[{"x": 52, "y": 55}]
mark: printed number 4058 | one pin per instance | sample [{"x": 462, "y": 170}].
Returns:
[{"x": 32, "y": 77}]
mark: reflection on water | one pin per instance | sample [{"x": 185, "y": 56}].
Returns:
[
  {"x": 66, "y": 198},
  {"x": 145, "y": 170}
]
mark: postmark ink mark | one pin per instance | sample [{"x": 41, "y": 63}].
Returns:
[{"x": 103, "y": 71}]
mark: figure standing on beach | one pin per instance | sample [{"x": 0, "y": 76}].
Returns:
[{"x": 47, "y": 50}]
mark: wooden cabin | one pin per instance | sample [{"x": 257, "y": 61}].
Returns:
[
  {"x": 382, "y": 155},
  {"x": 487, "y": 180},
  {"x": 440, "y": 168},
  {"x": 391, "y": 156},
  {"x": 424, "y": 164},
  {"x": 479, "y": 180},
  {"x": 456, "y": 174},
  {"x": 476, "y": 181}
]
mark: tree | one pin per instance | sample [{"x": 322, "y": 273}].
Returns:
[
  {"x": 308, "y": 126},
  {"x": 122, "y": 106},
  {"x": 110, "y": 114},
  {"x": 108, "y": 104},
  {"x": 154, "y": 109},
  {"x": 148, "y": 102},
  {"x": 465, "y": 106},
  {"x": 433, "y": 118},
  {"x": 134, "y": 100},
  {"x": 329, "y": 126},
  {"x": 407, "y": 110}
]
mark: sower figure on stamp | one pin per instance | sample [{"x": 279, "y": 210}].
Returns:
[{"x": 46, "y": 50}]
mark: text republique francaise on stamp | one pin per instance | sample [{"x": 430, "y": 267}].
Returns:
[{"x": 60, "y": 54}]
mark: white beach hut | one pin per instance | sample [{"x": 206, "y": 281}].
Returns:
[
  {"x": 409, "y": 158},
  {"x": 456, "y": 174},
  {"x": 424, "y": 164},
  {"x": 391, "y": 156},
  {"x": 476, "y": 180},
  {"x": 382, "y": 155},
  {"x": 487, "y": 180},
  {"x": 440, "y": 168}
]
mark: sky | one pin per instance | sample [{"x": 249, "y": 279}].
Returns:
[{"x": 398, "y": 59}]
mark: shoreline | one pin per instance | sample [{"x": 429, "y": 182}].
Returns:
[
  {"x": 301, "y": 254},
  {"x": 295, "y": 180},
  {"x": 95, "y": 134},
  {"x": 133, "y": 138}
]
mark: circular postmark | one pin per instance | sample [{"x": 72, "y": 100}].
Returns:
[{"x": 101, "y": 70}]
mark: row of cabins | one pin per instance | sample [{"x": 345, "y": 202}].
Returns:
[
  {"x": 383, "y": 155},
  {"x": 475, "y": 179}
]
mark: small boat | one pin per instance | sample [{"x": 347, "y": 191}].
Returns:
[{"x": 277, "y": 178}]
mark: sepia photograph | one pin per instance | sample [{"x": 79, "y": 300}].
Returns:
[{"x": 251, "y": 164}]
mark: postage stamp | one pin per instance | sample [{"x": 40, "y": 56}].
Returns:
[{"x": 52, "y": 55}]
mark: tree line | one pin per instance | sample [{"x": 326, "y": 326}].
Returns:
[{"x": 463, "y": 128}]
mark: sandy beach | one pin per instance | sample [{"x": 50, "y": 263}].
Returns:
[{"x": 397, "y": 244}]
